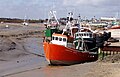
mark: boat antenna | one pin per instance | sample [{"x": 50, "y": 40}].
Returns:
[
  {"x": 116, "y": 16},
  {"x": 25, "y": 17},
  {"x": 53, "y": 4},
  {"x": 25, "y": 21},
  {"x": 79, "y": 21},
  {"x": 68, "y": 24}
]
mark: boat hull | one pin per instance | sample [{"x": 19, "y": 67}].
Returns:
[
  {"x": 57, "y": 54},
  {"x": 115, "y": 27}
]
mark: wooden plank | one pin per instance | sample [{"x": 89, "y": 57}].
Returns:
[{"x": 111, "y": 48}]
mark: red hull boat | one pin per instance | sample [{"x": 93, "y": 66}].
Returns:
[
  {"x": 57, "y": 54},
  {"x": 73, "y": 45}
]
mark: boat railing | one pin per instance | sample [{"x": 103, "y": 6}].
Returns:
[
  {"x": 80, "y": 44},
  {"x": 84, "y": 35}
]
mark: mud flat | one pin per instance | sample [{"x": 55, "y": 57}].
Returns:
[
  {"x": 80, "y": 70},
  {"x": 17, "y": 50},
  {"x": 21, "y": 55}
]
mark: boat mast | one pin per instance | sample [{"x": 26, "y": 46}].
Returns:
[
  {"x": 25, "y": 21},
  {"x": 79, "y": 22},
  {"x": 69, "y": 22},
  {"x": 52, "y": 16},
  {"x": 116, "y": 17}
]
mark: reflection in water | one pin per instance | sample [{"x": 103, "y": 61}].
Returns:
[{"x": 34, "y": 45}]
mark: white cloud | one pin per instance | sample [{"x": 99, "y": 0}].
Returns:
[
  {"x": 82, "y": 2},
  {"x": 39, "y": 8}
]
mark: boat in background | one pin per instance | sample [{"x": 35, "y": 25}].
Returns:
[
  {"x": 25, "y": 21},
  {"x": 115, "y": 27},
  {"x": 115, "y": 24},
  {"x": 72, "y": 45}
]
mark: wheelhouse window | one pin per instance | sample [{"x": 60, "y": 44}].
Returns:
[
  {"x": 53, "y": 38},
  {"x": 56, "y": 38},
  {"x": 90, "y": 35},
  {"x": 76, "y": 34},
  {"x": 64, "y": 39},
  {"x": 60, "y": 39}
]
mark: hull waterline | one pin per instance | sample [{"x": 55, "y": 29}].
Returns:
[{"x": 57, "y": 54}]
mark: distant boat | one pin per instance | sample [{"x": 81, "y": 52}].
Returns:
[
  {"x": 115, "y": 25},
  {"x": 25, "y": 22}
]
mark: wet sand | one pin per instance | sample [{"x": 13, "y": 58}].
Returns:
[
  {"x": 22, "y": 55},
  {"x": 79, "y": 70}
]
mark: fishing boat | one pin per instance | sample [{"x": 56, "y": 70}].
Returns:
[{"x": 72, "y": 45}]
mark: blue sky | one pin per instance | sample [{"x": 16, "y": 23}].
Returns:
[{"x": 37, "y": 9}]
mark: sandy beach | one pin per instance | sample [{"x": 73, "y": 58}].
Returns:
[{"x": 21, "y": 55}]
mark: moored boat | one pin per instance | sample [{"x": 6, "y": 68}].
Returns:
[
  {"x": 60, "y": 51},
  {"x": 73, "y": 45},
  {"x": 115, "y": 27}
]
